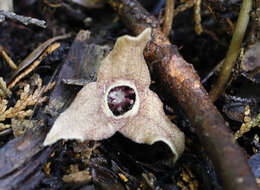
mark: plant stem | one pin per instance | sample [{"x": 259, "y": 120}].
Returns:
[
  {"x": 168, "y": 17},
  {"x": 233, "y": 50}
]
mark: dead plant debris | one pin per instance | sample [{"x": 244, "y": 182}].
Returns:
[
  {"x": 248, "y": 124},
  {"x": 29, "y": 95},
  {"x": 31, "y": 67}
]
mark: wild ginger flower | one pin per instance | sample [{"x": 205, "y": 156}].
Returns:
[{"x": 121, "y": 101}]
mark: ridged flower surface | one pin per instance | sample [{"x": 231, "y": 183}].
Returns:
[{"x": 120, "y": 100}]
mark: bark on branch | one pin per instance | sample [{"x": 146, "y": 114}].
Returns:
[{"x": 182, "y": 81}]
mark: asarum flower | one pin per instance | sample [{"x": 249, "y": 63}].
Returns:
[{"x": 120, "y": 101}]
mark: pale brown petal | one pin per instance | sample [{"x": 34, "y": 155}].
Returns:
[
  {"x": 152, "y": 125},
  {"x": 84, "y": 119},
  {"x": 126, "y": 60}
]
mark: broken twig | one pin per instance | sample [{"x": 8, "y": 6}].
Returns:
[
  {"x": 8, "y": 59},
  {"x": 34, "y": 58},
  {"x": 169, "y": 10},
  {"x": 29, "y": 69},
  {"x": 197, "y": 17},
  {"x": 188, "y": 4},
  {"x": 22, "y": 19}
]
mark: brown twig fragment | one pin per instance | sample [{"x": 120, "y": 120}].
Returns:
[
  {"x": 233, "y": 50},
  {"x": 196, "y": 4},
  {"x": 7, "y": 58},
  {"x": 34, "y": 55},
  {"x": 34, "y": 64},
  {"x": 181, "y": 81},
  {"x": 197, "y": 17},
  {"x": 183, "y": 7},
  {"x": 168, "y": 17}
]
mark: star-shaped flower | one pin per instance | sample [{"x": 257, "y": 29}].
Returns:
[{"x": 121, "y": 101}]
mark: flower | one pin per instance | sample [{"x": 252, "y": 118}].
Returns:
[{"x": 120, "y": 100}]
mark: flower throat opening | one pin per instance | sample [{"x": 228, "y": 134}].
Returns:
[{"x": 121, "y": 99}]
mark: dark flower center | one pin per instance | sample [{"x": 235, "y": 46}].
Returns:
[{"x": 121, "y": 99}]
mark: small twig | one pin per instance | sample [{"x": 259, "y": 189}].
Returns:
[
  {"x": 197, "y": 17},
  {"x": 8, "y": 59},
  {"x": 34, "y": 55},
  {"x": 184, "y": 6},
  {"x": 212, "y": 72},
  {"x": 168, "y": 17},
  {"x": 22, "y": 19},
  {"x": 233, "y": 50},
  {"x": 30, "y": 68}
]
